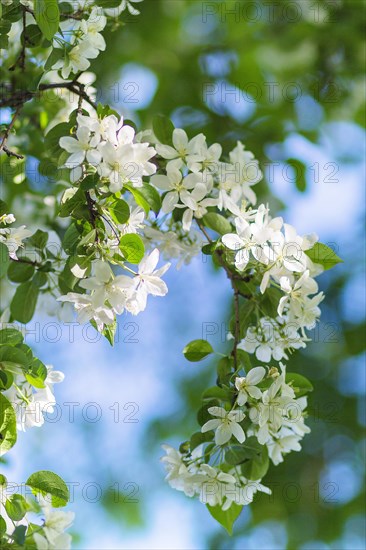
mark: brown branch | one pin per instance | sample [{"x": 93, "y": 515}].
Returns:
[
  {"x": 74, "y": 86},
  {"x": 3, "y": 144},
  {"x": 237, "y": 293},
  {"x": 22, "y": 96}
]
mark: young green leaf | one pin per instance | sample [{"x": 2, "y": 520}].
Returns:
[
  {"x": 49, "y": 483},
  {"x": 163, "y": 129},
  {"x": 256, "y": 467},
  {"x": 16, "y": 507},
  {"x": 20, "y": 272},
  {"x": 11, "y": 354},
  {"x": 248, "y": 450},
  {"x": 18, "y": 535},
  {"x": 300, "y": 384},
  {"x": 217, "y": 223},
  {"x": 139, "y": 197},
  {"x": 47, "y": 15},
  {"x": 226, "y": 518},
  {"x": 198, "y": 438},
  {"x": 8, "y": 425},
  {"x": 152, "y": 197},
  {"x": 132, "y": 248},
  {"x": 39, "y": 239},
  {"x": 11, "y": 337},
  {"x": 24, "y": 302},
  {"x": 119, "y": 211},
  {"x": 197, "y": 350},
  {"x": 323, "y": 255}
]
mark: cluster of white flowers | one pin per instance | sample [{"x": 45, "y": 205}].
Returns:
[
  {"x": 275, "y": 251},
  {"x": 210, "y": 484},
  {"x": 85, "y": 43},
  {"x": 110, "y": 295},
  {"x": 197, "y": 179},
  {"x": 173, "y": 245},
  {"x": 277, "y": 415},
  {"x": 276, "y": 420},
  {"x": 30, "y": 403},
  {"x": 12, "y": 237},
  {"x": 108, "y": 145}
]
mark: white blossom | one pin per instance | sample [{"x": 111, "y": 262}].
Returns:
[
  {"x": 226, "y": 425},
  {"x": 247, "y": 385}
]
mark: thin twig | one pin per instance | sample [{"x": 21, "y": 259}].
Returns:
[
  {"x": 3, "y": 146},
  {"x": 237, "y": 293},
  {"x": 21, "y": 97}
]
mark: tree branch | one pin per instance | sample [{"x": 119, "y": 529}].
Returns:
[
  {"x": 21, "y": 97},
  {"x": 237, "y": 293},
  {"x": 3, "y": 146}
]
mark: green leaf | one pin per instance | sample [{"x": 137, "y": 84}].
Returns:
[
  {"x": 19, "y": 272},
  {"x": 323, "y": 255},
  {"x": 198, "y": 438},
  {"x": 71, "y": 202},
  {"x": 37, "y": 373},
  {"x": 152, "y": 197},
  {"x": 39, "y": 239},
  {"x": 225, "y": 370},
  {"x": 119, "y": 211},
  {"x": 11, "y": 354},
  {"x": 52, "y": 138},
  {"x": 47, "y": 15},
  {"x": 257, "y": 467},
  {"x": 6, "y": 380},
  {"x": 8, "y": 425},
  {"x": 217, "y": 223},
  {"x": 90, "y": 182},
  {"x": 31, "y": 36},
  {"x": 248, "y": 450},
  {"x": 197, "y": 350},
  {"x": 18, "y": 535},
  {"x": 226, "y": 518},
  {"x": 4, "y": 259},
  {"x": 223, "y": 394},
  {"x": 300, "y": 384},
  {"x": 163, "y": 129},
  {"x": 139, "y": 197},
  {"x": 300, "y": 170},
  {"x": 270, "y": 300},
  {"x": 11, "y": 337},
  {"x": 24, "y": 302},
  {"x": 132, "y": 248},
  {"x": 16, "y": 507},
  {"x": 49, "y": 483},
  {"x": 3, "y": 526},
  {"x": 87, "y": 243},
  {"x": 71, "y": 239},
  {"x": 40, "y": 279}
]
